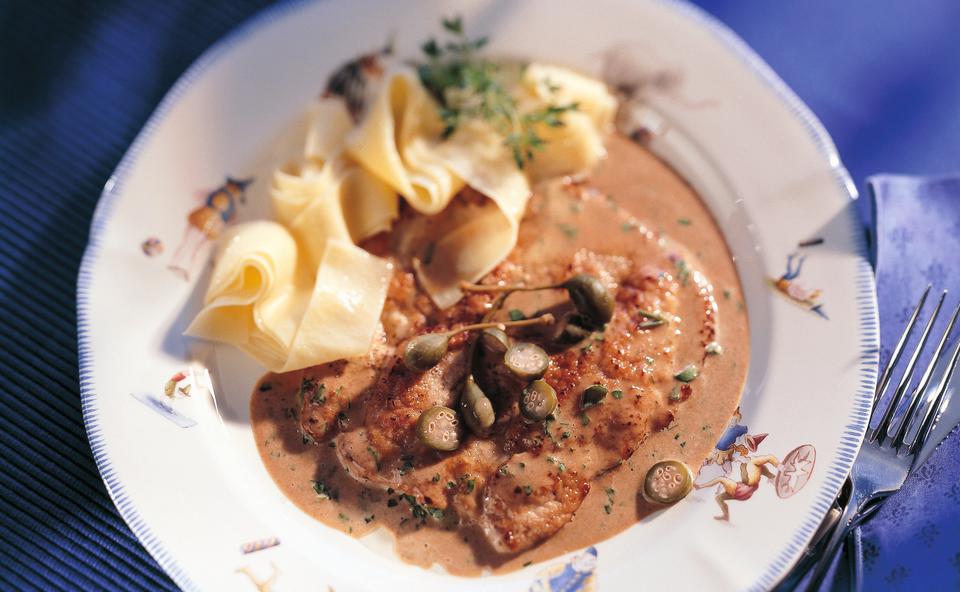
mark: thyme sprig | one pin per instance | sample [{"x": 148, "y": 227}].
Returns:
[{"x": 468, "y": 86}]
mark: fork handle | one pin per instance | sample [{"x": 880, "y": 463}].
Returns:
[{"x": 843, "y": 528}]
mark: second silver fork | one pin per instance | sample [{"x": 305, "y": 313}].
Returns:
[{"x": 890, "y": 448}]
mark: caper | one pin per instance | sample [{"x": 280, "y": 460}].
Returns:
[
  {"x": 667, "y": 482},
  {"x": 687, "y": 374},
  {"x": 437, "y": 428},
  {"x": 494, "y": 340},
  {"x": 476, "y": 409},
  {"x": 526, "y": 360},
  {"x": 538, "y": 400},
  {"x": 573, "y": 331},
  {"x": 592, "y": 395},
  {"x": 425, "y": 351},
  {"x": 591, "y": 298}
]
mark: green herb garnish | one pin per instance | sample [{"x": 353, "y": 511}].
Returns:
[
  {"x": 675, "y": 393},
  {"x": 687, "y": 374},
  {"x": 468, "y": 86},
  {"x": 714, "y": 349},
  {"x": 324, "y": 492},
  {"x": 683, "y": 271},
  {"x": 568, "y": 230},
  {"x": 375, "y": 455},
  {"x": 420, "y": 511}
]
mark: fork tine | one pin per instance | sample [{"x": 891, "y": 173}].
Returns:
[
  {"x": 920, "y": 393},
  {"x": 898, "y": 350},
  {"x": 932, "y": 416},
  {"x": 878, "y": 431}
]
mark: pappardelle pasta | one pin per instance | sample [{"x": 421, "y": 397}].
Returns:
[{"x": 300, "y": 291}]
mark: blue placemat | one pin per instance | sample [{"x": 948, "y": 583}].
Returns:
[{"x": 79, "y": 79}]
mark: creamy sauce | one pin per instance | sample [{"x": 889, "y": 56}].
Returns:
[{"x": 671, "y": 224}]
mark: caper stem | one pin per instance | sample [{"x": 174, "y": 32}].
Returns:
[
  {"x": 468, "y": 287},
  {"x": 541, "y": 320}
]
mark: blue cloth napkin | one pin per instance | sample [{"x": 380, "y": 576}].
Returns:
[{"x": 914, "y": 222}]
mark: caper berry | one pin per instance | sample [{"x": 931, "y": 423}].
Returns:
[
  {"x": 591, "y": 298},
  {"x": 494, "y": 341},
  {"x": 425, "y": 351},
  {"x": 538, "y": 400},
  {"x": 438, "y": 428},
  {"x": 592, "y": 395},
  {"x": 476, "y": 409},
  {"x": 667, "y": 482},
  {"x": 527, "y": 361}
]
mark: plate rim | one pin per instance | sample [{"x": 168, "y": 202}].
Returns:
[{"x": 866, "y": 299}]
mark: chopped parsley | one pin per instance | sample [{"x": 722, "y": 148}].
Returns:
[
  {"x": 714, "y": 349},
  {"x": 568, "y": 230},
  {"x": 683, "y": 272},
  {"x": 407, "y": 465},
  {"x": 375, "y": 455},
  {"x": 652, "y": 319},
  {"x": 324, "y": 492},
  {"x": 616, "y": 394},
  {"x": 420, "y": 511},
  {"x": 675, "y": 393},
  {"x": 684, "y": 222},
  {"x": 516, "y": 315},
  {"x": 611, "y": 493}
]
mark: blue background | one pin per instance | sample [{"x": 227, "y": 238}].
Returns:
[{"x": 79, "y": 79}]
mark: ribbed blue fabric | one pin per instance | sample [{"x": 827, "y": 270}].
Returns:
[{"x": 79, "y": 79}]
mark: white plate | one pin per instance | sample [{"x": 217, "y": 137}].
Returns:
[{"x": 192, "y": 487}]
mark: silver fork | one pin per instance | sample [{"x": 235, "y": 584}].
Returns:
[{"x": 888, "y": 452}]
